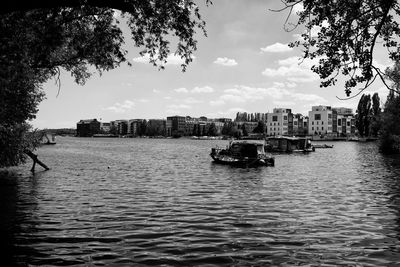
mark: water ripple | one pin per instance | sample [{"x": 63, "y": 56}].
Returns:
[{"x": 146, "y": 202}]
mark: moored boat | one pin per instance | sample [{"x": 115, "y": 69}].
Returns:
[
  {"x": 242, "y": 153},
  {"x": 48, "y": 139},
  {"x": 322, "y": 146},
  {"x": 289, "y": 144}
]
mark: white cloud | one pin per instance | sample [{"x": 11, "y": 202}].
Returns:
[
  {"x": 195, "y": 90},
  {"x": 279, "y": 103},
  {"x": 127, "y": 105},
  {"x": 218, "y": 102},
  {"x": 276, "y": 48},
  {"x": 298, "y": 8},
  {"x": 230, "y": 113},
  {"x": 279, "y": 95},
  {"x": 232, "y": 98},
  {"x": 242, "y": 94},
  {"x": 191, "y": 100},
  {"x": 156, "y": 91},
  {"x": 205, "y": 89},
  {"x": 172, "y": 59},
  {"x": 294, "y": 70},
  {"x": 177, "y": 108},
  {"x": 224, "y": 61},
  {"x": 181, "y": 90}
]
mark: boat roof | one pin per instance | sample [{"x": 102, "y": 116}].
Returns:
[
  {"x": 288, "y": 137},
  {"x": 247, "y": 142}
]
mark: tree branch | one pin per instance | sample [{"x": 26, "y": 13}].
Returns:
[{"x": 21, "y": 5}]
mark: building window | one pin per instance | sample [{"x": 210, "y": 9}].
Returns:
[
  {"x": 312, "y": 128},
  {"x": 322, "y": 122},
  {"x": 329, "y": 116},
  {"x": 274, "y": 118},
  {"x": 322, "y": 128},
  {"x": 285, "y": 118},
  {"x": 312, "y": 122},
  {"x": 317, "y": 117},
  {"x": 339, "y": 122}
]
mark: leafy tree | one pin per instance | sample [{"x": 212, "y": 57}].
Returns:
[
  {"x": 212, "y": 130},
  {"x": 389, "y": 138},
  {"x": 260, "y": 128},
  {"x": 244, "y": 130},
  {"x": 376, "y": 115},
  {"x": 343, "y": 36},
  {"x": 363, "y": 115},
  {"x": 40, "y": 38},
  {"x": 143, "y": 127}
]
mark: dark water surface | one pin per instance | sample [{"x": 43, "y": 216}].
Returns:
[{"x": 138, "y": 202}]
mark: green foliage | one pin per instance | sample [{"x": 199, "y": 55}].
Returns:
[
  {"x": 37, "y": 41},
  {"x": 343, "y": 35},
  {"x": 155, "y": 128},
  {"x": 212, "y": 130},
  {"x": 14, "y": 141},
  {"x": 363, "y": 116},
  {"x": 260, "y": 127},
  {"x": 229, "y": 129},
  {"x": 244, "y": 130},
  {"x": 390, "y": 131},
  {"x": 376, "y": 115},
  {"x": 389, "y": 138}
]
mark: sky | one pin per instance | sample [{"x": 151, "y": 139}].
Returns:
[{"x": 243, "y": 65}]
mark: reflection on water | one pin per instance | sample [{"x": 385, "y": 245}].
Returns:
[{"x": 163, "y": 202}]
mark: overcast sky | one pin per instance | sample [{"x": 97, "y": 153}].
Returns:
[{"x": 243, "y": 65}]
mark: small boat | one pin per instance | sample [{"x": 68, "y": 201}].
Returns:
[
  {"x": 48, "y": 139},
  {"x": 242, "y": 154},
  {"x": 289, "y": 144},
  {"x": 322, "y": 146}
]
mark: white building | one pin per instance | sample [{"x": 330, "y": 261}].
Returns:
[
  {"x": 320, "y": 120},
  {"x": 278, "y": 121},
  {"x": 344, "y": 121}
]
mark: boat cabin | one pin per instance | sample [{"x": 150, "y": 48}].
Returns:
[
  {"x": 246, "y": 149},
  {"x": 289, "y": 144}
]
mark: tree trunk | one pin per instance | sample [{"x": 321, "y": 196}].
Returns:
[{"x": 36, "y": 160}]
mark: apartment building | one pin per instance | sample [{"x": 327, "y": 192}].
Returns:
[
  {"x": 278, "y": 122},
  {"x": 87, "y": 128},
  {"x": 320, "y": 120}
]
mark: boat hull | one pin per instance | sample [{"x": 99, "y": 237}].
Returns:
[{"x": 244, "y": 162}]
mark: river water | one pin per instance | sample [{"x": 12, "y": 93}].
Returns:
[{"x": 139, "y": 202}]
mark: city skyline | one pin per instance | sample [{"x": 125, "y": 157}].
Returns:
[{"x": 244, "y": 65}]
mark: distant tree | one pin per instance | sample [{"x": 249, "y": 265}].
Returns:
[
  {"x": 212, "y": 130},
  {"x": 244, "y": 130},
  {"x": 260, "y": 127},
  {"x": 40, "y": 38},
  {"x": 155, "y": 128},
  {"x": 143, "y": 127},
  {"x": 343, "y": 36},
  {"x": 227, "y": 128},
  {"x": 389, "y": 138},
  {"x": 363, "y": 115},
  {"x": 376, "y": 115}
]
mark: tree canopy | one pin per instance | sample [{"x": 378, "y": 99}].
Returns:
[
  {"x": 39, "y": 38},
  {"x": 342, "y": 35}
]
